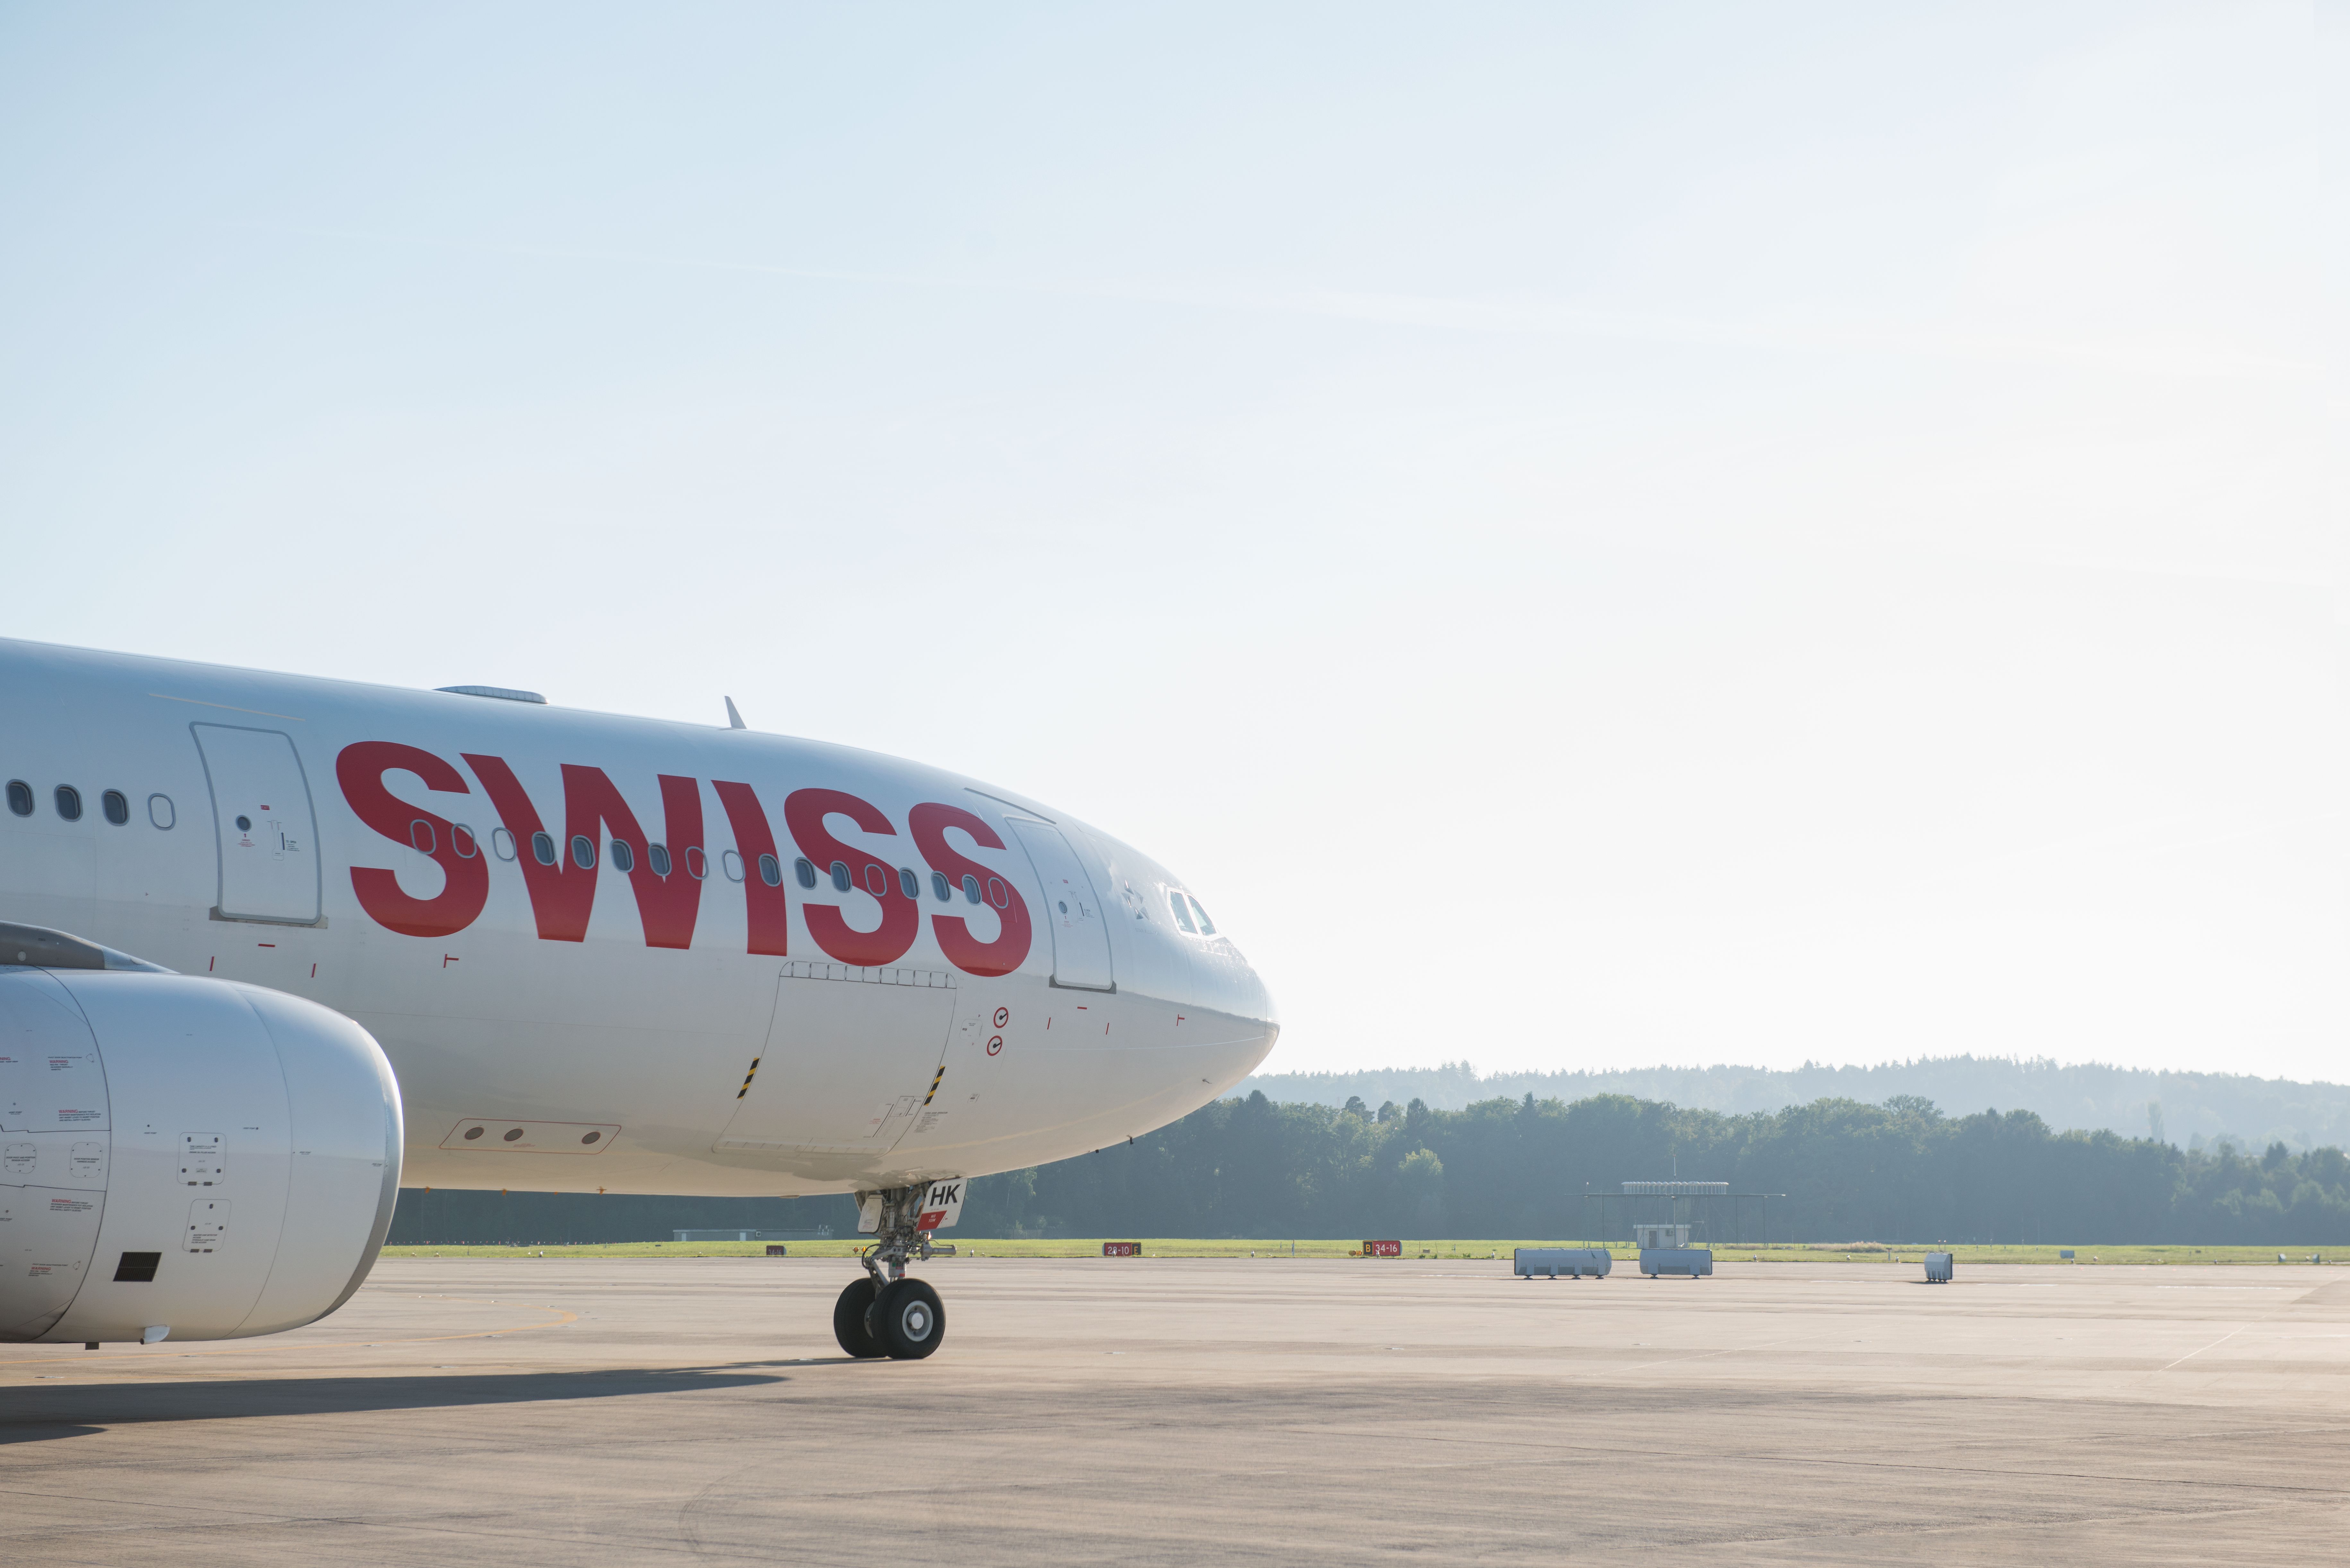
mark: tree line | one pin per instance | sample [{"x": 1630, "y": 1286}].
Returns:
[
  {"x": 2191, "y": 1109},
  {"x": 1252, "y": 1167},
  {"x": 1897, "y": 1171}
]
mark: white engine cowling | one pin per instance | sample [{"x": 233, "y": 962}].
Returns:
[{"x": 192, "y": 1158}]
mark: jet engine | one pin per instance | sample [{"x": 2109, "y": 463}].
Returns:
[{"x": 195, "y": 1158}]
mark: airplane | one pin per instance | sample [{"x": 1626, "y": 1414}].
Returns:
[{"x": 273, "y": 947}]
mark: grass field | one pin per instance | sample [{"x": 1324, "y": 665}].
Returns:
[{"x": 1843, "y": 1255}]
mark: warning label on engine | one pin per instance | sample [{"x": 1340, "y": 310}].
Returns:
[{"x": 207, "y": 1224}]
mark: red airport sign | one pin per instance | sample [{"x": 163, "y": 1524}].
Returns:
[
  {"x": 1383, "y": 1249},
  {"x": 1121, "y": 1249}
]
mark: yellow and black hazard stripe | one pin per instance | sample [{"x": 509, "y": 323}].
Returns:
[
  {"x": 747, "y": 1078},
  {"x": 934, "y": 1085}
]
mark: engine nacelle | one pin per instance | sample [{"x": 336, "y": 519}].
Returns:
[{"x": 195, "y": 1158}]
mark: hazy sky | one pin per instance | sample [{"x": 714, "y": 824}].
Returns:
[{"x": 1593, "y": 535}]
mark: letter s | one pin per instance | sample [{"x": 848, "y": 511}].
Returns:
[
  {"x": 929, "y": 822},
  {"x": 804, "y": 812},
  {"x": 359, "y": 769}
]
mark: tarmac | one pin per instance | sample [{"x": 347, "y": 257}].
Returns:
[{"x": 1182, "y": 1411}]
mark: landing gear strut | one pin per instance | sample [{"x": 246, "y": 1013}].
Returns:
[{"x": 886, "y": 1313}]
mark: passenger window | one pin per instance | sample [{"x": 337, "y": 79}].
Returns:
[
  {"x": 117, "y": 807},
  {"x": 461, "y": 839},
  {"x": 69, "y": 803},
  {"x": 697, "y": 864},
  {"x": 420, "y": 835},
  {"x": 938, "y": 886},
  {"x": 501, "y": 844},
  {"x": 840, "y": 876},
  {"x": 1207, "y": 926},
  {"x": 583, "y": 852},
  {"x": 20, "y": 797},
  {"x": 732, "y": 863},
  {"x": 804, "y": 871},
  {"x": 771, "y": 871},
  {"x": 908, "y": 884},
  {"x": 1182, "y": 914},
  {"x": 624, "y": 859},
  {"x": 542, "y": 848},
  {"x": 998, "y": 894},
  {"x": 656, "y": 856},
  {"x": 160, "y": 812},
  {"x": 970, "y": 889}
]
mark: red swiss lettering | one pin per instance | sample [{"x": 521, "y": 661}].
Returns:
[
  {"x": 767, "y": 909},
  {"x": 928, "y": 823},
  {"x": 804, "y": 811},
  {"x": 465, "y": 879},
  {"x": 563, "y": 894}
]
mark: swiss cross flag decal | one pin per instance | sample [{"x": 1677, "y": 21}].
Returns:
[{"x": 941, "y": 1205}]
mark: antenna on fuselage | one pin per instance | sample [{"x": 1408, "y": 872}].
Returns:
[{"x": 735, "y": 716}]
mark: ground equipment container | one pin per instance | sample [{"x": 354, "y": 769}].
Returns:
[{"x": 1549, "y": 1262}]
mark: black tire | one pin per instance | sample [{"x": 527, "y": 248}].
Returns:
[
  {"x": 906, "y": 1320},
  {"x": 849, "y": 1320}
]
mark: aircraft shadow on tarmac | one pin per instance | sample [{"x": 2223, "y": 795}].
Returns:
[{"x": 35, "y": 1413}]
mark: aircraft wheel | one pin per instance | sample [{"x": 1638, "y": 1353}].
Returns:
[
  {"x": 906, "y": 1320},
  {"x": 849, "y": 1320}
]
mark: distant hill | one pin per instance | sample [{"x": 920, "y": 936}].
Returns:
[{"x": 2197, "y": 1109}]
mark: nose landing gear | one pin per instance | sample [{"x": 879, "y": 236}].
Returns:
[
  {"x": 886, "y": 1313},
  {"x": 849, "y": 1320},
  {"x": 902, "y": 1320},
  {"x": 907, "y": 1319}
]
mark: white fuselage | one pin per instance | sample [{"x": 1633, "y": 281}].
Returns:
[{"x": 575, "y": 934}]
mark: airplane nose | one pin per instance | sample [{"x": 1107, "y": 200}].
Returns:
[{"x": 1227, "y": 994}]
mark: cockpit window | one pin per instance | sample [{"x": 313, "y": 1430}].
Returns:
[
  {"x": 1176, "y": 902},
  {"x": 1207, "y": 926}
]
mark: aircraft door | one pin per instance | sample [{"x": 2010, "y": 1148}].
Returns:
[
  {"x": 1072, "y": 911},
  {"x": 850, "y": 1058},
  {"x": 261, "y": 813}
]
